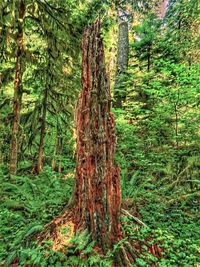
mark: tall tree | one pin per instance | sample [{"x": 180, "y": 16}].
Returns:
[
  {"x": 43, "y": 117},
  {"x": 122, "y": 54},
  {"x": 19, "y": 15}
]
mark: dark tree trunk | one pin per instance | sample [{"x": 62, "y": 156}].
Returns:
[
  {"x": 122, "y": 61},
  {"x": 148, "y": 58},
  {"x": 60, "y": 154},
  {"x": 42, "y": 131},
  {"x": 44, "y": 112},
  {"x": 53, "y": 163},
  {"x": 97, "y": 188},
  {"x": 17, "y": 87}
]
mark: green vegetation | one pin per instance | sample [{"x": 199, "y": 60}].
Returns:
[{"x": 157, "y": 129}]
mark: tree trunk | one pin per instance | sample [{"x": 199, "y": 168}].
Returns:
[
  {"x": 42, "y": 130},
  {"x": 60, "y": 154},
  {"x": 17, "y": 87},
  {"x": 97, "y": 194},
  {"x": 148, "y": 58},
  {"x": 53, "y": 163},
  {"x": 122, "y": 61},
  {"x": 44, "y": 110},
  {"x": 123, "y": 47}
]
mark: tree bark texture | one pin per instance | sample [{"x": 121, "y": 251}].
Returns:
[
  {"x": 97, "y": 187},
  {"x": 123, "y": 47},
  {"x": 17, "y": 86},
  {"x": 122, "y": 60}
]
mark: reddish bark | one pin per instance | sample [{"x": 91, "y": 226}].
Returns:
[
  {"x": 97, "y": 188},
  {"x": 97, "y": 196}
]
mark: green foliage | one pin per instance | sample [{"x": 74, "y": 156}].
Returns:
[
  {"x": 170, "y": 212},
  {"x": 51, "y": 72},
  {"x": 157, "y": 130},
  {"x": 27, "y": 203}
]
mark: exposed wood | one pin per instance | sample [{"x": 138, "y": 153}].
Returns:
[
  {"x": 97, "y": 193},
  {"x": 134, "y": 218}
]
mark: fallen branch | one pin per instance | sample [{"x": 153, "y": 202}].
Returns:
[{"x": 134, "y": 218}]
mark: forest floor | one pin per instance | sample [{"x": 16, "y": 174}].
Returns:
[{"x": 28, "y": 202}]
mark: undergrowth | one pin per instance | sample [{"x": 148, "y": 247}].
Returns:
[
  {"x": 27, "y": 203},
  {"x": 170, "y": 211}
]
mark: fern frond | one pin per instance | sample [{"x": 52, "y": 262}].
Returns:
[
  {"x": 10, "y": 258},
  {"x": 33, "y": 230}
]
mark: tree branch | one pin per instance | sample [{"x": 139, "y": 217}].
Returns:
[{"x": 134, "y": 218}]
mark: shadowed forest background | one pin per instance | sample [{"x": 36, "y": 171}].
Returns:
[{"x": 147, "y": 53}]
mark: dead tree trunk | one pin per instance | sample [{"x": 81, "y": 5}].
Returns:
[
  {"x": 96, "y": 201},
  {"x": 17, "y": 87},
  {"x": 97, "y": 188}
]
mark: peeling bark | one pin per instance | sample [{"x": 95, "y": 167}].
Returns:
[
  {"x": 96, "y": 201},
  {"x": 97, "y": 188}
]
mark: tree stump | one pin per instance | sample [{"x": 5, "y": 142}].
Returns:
[
  {"x": 97, "y": 192},
  {"x": 97, "y": 202}
]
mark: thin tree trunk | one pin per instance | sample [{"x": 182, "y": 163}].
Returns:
[
  {"x": 162, "y": 8},
  {"x": 149, "y": 58},
  {"x": 42, "y": 131},
  {"x": 60, "y": 154},
  {"x": 1, "y": 83},
  {"x": 44, "y": 113},
  {"x": 97, "y": 187},
  {"x": 17, "y": 87},
  {"x": 53, "y": 163}
]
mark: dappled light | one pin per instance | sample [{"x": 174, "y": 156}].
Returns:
[{"x": 99, "y": 133}]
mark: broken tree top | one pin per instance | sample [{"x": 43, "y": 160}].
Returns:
[{"x": 98, "y": 194}]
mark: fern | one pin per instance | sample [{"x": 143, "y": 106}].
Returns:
[
  {"x": 10, "y": 258},
  {"x": 10, "y": 187},
  {"x": 14, "y": 204},
  {"x": 33, "y": 230}
]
